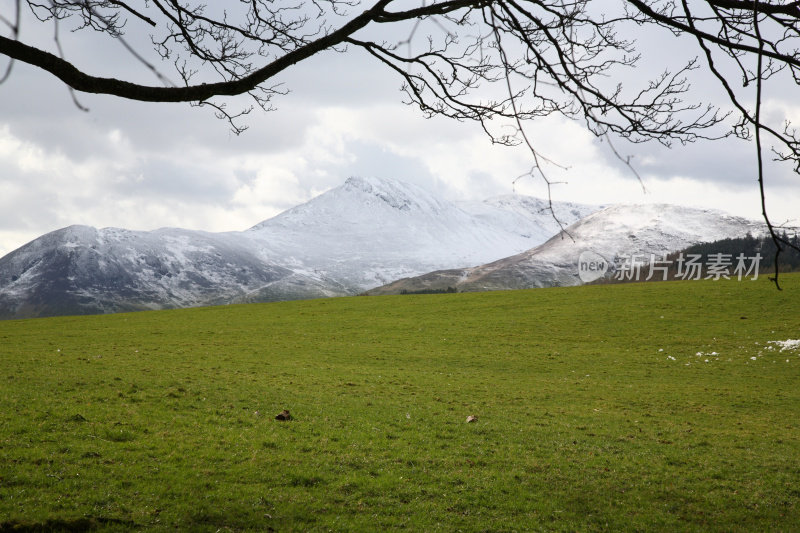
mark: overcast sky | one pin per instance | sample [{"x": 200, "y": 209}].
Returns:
[{"x": 144, "y": 166}]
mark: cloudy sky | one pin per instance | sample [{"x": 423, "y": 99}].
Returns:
[{"x": 143, "y": 166}]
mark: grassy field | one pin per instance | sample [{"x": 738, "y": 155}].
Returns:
[{"x": 658, "y": 406}]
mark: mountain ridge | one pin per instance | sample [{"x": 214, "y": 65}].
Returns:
[
  {"x": 362, "y": 234},
  {"x": 613, "y": 233}
]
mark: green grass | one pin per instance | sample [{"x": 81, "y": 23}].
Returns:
[{"x": 595, "y": 413}]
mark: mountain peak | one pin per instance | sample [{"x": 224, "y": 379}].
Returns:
[
  {"x": 367, "y": 183},
  {"x": 396, "y": 194},
  {"x": 359, "y": 201}
]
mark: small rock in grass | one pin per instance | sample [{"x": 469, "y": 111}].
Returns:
[
  {"x": 283, "y": 415},
  {"x": 472, "y": 418}
]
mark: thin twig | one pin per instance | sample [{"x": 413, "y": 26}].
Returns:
[{"x": 759, "y": 158}]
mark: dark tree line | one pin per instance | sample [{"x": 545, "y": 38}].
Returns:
[
  {"x": 448, "y": 290},
  {"x": 747, "y": 257},
  {"x": 749, "y": 246}
]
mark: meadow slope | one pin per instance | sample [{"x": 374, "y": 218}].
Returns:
[{"x": 658, "y": 406}]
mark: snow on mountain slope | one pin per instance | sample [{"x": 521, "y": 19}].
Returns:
[
  {"x": 357, "y": 236},
  {"x": 371, "y": 231},
  {"x": 622, "y": 230},
  {"x": 615, "y": 233},
  {"x": 80, "y": 269},
  {"x": 534, "y": 214}
]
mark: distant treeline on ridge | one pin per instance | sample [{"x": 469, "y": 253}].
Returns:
[
  {"x": 789, "y": 260},
  {"x": 731, "y": 249},
  {"x": 430, "y": 291}
]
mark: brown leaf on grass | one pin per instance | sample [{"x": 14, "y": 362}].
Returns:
[{"x": 283, "y": 415}]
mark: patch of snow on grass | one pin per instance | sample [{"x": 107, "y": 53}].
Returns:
[{"x": 788, "y": 344}]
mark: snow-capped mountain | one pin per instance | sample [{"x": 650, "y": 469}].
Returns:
[
  {"x": 615, "y": 234},
  {"x": 360, "y": 235},
  {"x": 80, "y": 269},
  {"x": 372, "y": 231}
]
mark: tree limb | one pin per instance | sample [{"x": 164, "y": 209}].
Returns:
[{"x": 80, "y": 81}]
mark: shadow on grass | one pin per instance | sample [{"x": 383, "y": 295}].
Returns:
[{"x": 65, "y": 525}]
